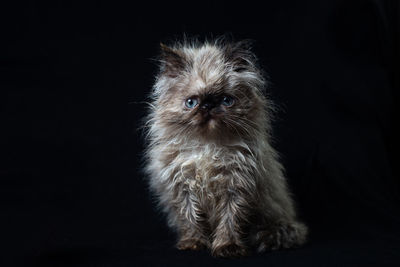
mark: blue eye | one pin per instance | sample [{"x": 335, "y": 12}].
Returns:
[
  {"x": 191, "y": 102},
  {"x": 227, "y": 101}
]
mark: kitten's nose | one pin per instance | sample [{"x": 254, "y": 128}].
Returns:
[{"x": 206, "y": 105}]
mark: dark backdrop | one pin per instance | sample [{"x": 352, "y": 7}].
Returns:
[{"x": 72, "y": 81}]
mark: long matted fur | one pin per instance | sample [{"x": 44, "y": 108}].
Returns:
[{"x": 209, "y": 157}]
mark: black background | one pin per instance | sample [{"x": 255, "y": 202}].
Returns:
[{"x": 74, "y": 76}]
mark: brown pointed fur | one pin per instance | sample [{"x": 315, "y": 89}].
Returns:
[{"x": 213, "y": 170}]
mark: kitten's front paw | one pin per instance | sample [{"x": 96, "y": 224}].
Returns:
[
  {"x": 229, "y": 250},
  {"x": 283, "y": 236},
  {"x": 191, "y": 244}
]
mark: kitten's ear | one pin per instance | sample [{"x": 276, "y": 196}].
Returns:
[
  {"x": 172, "y": 61},
  {"x": 240, "y": 54}
]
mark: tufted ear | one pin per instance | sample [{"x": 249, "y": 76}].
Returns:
[
  {"x": 173, "y": 62},
  {"x": 240, "y": 54}
]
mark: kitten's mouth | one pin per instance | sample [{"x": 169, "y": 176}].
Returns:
[
  {"x": 212, "y": 123},
  {"x": 209, "y": 122}
]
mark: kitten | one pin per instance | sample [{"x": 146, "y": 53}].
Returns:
[{"x": 209, "y": 157}]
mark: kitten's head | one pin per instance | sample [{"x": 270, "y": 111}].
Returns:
[{"x": 209, "y": 91}]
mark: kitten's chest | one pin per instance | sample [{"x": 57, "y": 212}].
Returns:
[{"x": 205, "y": 169}]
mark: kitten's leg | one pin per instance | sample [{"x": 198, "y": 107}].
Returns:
[
  {"x": 191, "y": 238},
  {"x": 231, "y": 216},
  {"x": 190, "y": 221}
]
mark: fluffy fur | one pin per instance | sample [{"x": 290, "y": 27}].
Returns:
[{"x": 212, "y": 166}]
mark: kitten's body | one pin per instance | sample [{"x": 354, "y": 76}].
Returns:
[{"x": 211, "y": 166}]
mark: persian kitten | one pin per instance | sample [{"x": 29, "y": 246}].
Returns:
[{"x": 209, "y": 157}]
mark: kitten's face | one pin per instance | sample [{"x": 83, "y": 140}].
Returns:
[{"x": 209, "y": 98}]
